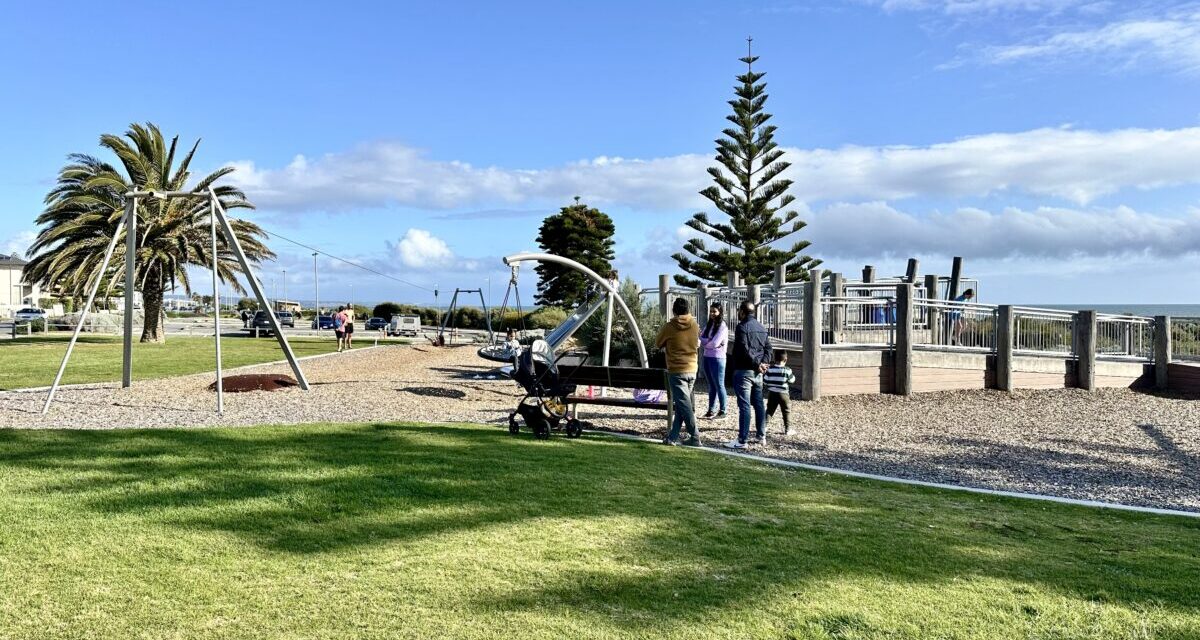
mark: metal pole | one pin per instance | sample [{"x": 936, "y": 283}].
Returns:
[
  {"x": 112, "y": 244},
  {"x": 285, "y": 285},
  {"x": 212, "y": 223},
  {"x": 316, "y": 296},
  {"x": 256, "y": 287},
  {"x": 130, "y": 265}
]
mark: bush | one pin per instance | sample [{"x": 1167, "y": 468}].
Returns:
[
  {"x": 546, "y": 318},
  {"x": 386, "y": 310},
  {"x": 624, "y": 345},
  {"x": 247, "y": 304}
]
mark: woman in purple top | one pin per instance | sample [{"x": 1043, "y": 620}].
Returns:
[{"x": 713, "y": 341}]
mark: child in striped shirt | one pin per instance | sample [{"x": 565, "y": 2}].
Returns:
[{"x": 777, "y": 381}]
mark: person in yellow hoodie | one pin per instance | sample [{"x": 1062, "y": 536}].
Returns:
[{"x": 680, "y": 338}]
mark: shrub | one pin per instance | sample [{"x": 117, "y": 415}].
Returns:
[
  {"x": 386, "y": 310},
  {"x": 545, "y": 318},
  {"x": 624, "y": 346}
]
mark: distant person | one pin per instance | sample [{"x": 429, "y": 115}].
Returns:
[
  {"x": 751, "y": 357},
  {"x": 778, "y": 381},
  {"x": 348, "y": 325},
  {"x": 714, "y": 341},
  {"x": 680, "y": 338},
  {"x": 614, "y": 280},
  {"x": 246, "y": 316},
  {"x": 511, "y": 344},
  {"x": 957, "y": 322},
  {"x": 339, "y": 323}
]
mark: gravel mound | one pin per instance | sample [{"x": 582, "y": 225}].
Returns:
[{"x": 1114, "y": 445}]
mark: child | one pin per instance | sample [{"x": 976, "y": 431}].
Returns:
[
  {"x": 777, "y": 381},
  {"x": 511, "y": 344}
]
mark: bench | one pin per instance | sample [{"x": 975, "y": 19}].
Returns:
[{"x": 617, "y": 378}]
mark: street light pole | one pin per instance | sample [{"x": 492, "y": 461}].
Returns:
[
  {"x": 285, "y": 284},
  {"x": 316, "y": 296}
]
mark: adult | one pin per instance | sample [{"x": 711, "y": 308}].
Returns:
[
  {"x": 339, "y": 323},
  {"x": 713, "y": 343},
  {"x": 751, "y": 357},
  {"x": 680, "y": 338},
  {"x": 956, "y": 316},
  {"x": 348, "y": 325}
]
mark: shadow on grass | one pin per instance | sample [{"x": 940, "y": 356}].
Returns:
[{"x": 719, "y": 532}]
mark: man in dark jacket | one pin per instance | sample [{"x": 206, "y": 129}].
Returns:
[{"x": 751, "y": 357}]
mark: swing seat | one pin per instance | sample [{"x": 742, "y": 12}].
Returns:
[{"x": 497, "y": 353}]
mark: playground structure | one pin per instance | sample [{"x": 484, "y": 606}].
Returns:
[
  {"x": 906, "y": 333},
  {"x": 128, "y": 225},
  {"x": 451, "y": 319}
]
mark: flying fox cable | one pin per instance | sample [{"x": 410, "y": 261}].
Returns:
[{"x": 341, "y": 259}]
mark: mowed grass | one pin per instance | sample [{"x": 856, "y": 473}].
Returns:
[
  {"x": 421, "y": 531},
  {"x": 32, "y": 362}
]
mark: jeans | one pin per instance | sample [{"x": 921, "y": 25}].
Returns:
[
  {"x": 714, "y": 373},
  {"x": 782, "y": 401},
  {"x": 682, "y": 401},
  {"x": 748, "y": 385}
]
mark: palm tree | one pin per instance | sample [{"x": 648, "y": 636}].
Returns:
[{"x": 85, "y": 206}]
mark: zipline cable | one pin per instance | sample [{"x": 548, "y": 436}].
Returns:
[{"x": 341, "y": 259}]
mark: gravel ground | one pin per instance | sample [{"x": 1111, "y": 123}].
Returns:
[{"x": 1113, "y": 445}]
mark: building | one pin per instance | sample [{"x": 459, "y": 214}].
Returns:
[
  {"x": 14, "y": 293},
  {"x": 287, "y": 305}
]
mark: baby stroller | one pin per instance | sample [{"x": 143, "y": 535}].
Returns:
[{"x": 544, "y": 405}]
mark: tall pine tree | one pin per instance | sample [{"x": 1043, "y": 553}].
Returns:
[
  {"x": 749, "y": 191},
  {"x": 582, "y": 234}
]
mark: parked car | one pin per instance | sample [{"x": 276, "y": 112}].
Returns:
[
  {"x": 261, "y": 321},
  {"x": 29, "y": 314},
  {"x": 375, "y": 324},
  {"x": 405, "y": 326},
  {"x": 326, "y": 322},
  {"x": 286, "y": 319}
]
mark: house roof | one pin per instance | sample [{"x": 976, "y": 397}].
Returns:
[{"x": 12, "y": 261}]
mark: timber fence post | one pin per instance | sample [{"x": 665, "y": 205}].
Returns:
[
  {"x": 904, "y": 338},
  {"x": 1004, "y": 347},
  {"x": 1162, "y": 350},
  {"x": 1085, "y": 345},
  {"x": 810, "y": 369}
]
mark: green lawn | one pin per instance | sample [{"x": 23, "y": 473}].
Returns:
[
  {"x": 411, "y": 531},
  {"x": 32, "y": 362}
]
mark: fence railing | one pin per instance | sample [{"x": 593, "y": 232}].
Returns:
[
  {"x": 782, "y": 314},
  {"x": 858, "y": 321},
  {"x": 1185, "y": 338},
  {"x": 1043, "y": 331},
  {"x": 954, "y": 326},
  {"x": 1124, "y": 337}
]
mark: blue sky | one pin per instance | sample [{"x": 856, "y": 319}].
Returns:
[{"x": 1055, "y": 144}]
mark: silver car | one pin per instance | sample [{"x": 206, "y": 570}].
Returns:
[{"x": 29, "y": 314}]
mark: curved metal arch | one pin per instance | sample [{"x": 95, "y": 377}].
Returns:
[{"x": 594, "y": 277}]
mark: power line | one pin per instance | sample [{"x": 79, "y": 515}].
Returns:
[{"x": 341, "y": 259}]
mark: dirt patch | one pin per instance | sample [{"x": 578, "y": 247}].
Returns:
[{"x": 254, "y": 382}]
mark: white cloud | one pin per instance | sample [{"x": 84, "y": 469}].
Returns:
[
  {"x": 1171, "y": 42},
  {"x": 868, "y": 230},
  {"x": 1076, "y": 165},
  {"x": 18, "y": 243},
  {"x": 953, "y": 7},
  {"x": 419, "y": 249}
]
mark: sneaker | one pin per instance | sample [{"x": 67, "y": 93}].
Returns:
[
  {"x": 692, "y": 442},
  {"x": 719, "y": 416},
  {"x": 670, "y": 443},
  {"x": 734, "y": 444},
  {"x": 787, "y": 431},
  {"x": 708, "y": 416},
  {"x": 758, "y": 439}
]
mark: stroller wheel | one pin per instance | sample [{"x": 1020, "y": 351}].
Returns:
[
  {"x": 542, "y": 431},
  {"x": 574, "y": 428},
  {"x": 513, "y": 427}
]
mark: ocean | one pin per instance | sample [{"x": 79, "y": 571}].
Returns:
[{"x": 1173, "y": 310}]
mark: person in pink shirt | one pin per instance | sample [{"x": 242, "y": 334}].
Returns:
[{"x": 713, "y": 342}]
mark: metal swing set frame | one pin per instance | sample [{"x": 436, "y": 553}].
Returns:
[{"x": 128, "y": 224}]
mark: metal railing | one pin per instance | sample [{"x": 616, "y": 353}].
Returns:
[
  {"x": 954, "y": 326},
  {"x": 1124, "y": 337},
  {"x": 782, "y": 314},
  {"x": 858, "y": 321},
  {"x": 1185, "y": 338},
  {"x": 1043, "y": 331}
]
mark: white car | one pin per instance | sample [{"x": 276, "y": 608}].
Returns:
[
  {"x": 29, "y": 314},
  {"x": 404, "y": 326}
]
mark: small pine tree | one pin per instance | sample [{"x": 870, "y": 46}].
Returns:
[
  {"x": 582, "y": 234},
  {"x": 750, "y": 192}
]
